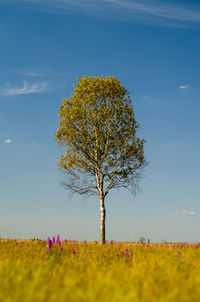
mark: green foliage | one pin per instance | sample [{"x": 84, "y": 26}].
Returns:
[{"x": 98, "y": 128}]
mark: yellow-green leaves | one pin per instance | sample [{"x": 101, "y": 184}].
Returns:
[{"x": 98, "y": 128}]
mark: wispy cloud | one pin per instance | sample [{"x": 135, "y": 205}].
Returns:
[
  {"x": 26, "y": 88},
  {"x": 32, "y": 73},
  {"x": 162, "y": 12},
  {"x": 184, "y": 87},
  {"x": 39, "y": 74},
  {"x": 185, "y": 212},
  {"x": 160, "y": 9},
  {"x": 8, "y": 141}
]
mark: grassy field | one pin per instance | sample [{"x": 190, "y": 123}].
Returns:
[{"x": 55, "y": 270}]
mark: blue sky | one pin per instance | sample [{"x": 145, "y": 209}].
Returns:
[{"x": 153, "y": 48}]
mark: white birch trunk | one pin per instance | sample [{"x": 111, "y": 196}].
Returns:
[{"x": 102, "y": 220}]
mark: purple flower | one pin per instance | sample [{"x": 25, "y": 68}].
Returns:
[
  {"x": 50, "y": 243},
  {"x": 126, "y": 252},
  {"x": 111, "y": 242},
  {"x": 177, "y": 252},
  {"x": 58, "y": 241},
  {"x": 73, "y": 251},
  {"x": 54, "y": 239}
]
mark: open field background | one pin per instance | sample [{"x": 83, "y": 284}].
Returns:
[{"x": 55, "y": 270}]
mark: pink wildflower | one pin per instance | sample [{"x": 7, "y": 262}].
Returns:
[
  {"x": 126, "y": 252},
  {"x": 58, "y": 239},
  {"x": 50, "y": 243}
]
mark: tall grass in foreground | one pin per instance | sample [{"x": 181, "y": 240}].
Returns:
[{"x": 55, "y": 270}]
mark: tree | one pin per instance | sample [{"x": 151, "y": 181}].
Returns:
[{"x": 97, "y": 127}]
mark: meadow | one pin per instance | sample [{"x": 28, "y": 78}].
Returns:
[{"x": 63, "y": 270}]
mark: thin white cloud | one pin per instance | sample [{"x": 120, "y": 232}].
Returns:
[
  {"x": 8, "y": 141},
  {"x": 160, "y": 9},
  {"x": 185, "y": 212},
  {"x": 33, "y": 74},
  {"x": 184, "y": 87},
  {"x": 39, "y": 74},
  {"x": 26, "y": 88},
  {"x": 166, "y": 13}
]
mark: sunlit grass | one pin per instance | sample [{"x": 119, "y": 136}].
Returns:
[{"x": 55, "y": 270}]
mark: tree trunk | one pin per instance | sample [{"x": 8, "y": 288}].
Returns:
[{"x": 102, "y": 221}]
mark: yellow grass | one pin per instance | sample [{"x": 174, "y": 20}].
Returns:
[{"x": 77, "y": 271}]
